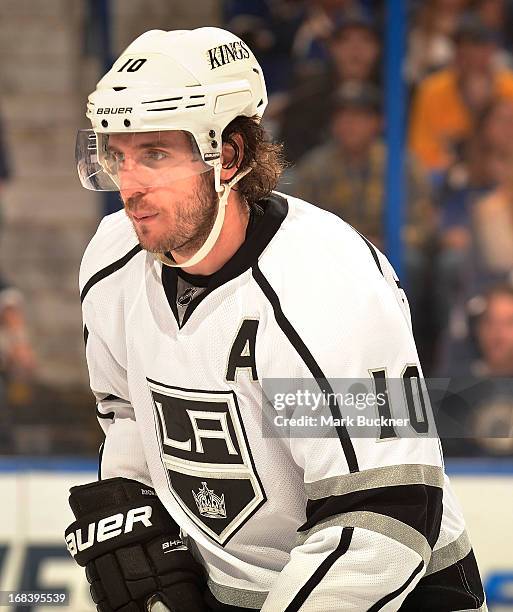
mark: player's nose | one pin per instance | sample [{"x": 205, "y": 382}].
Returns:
[
  {"x": 131, "y": 181},
  {"x": 131, "y": 194}
]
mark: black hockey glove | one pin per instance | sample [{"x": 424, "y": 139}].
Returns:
[{"x": 131, "y": 549}]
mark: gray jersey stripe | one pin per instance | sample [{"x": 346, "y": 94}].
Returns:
[
  {"x": 449, "y": 554},
  {"x": 379, "y": 523},
  {"x": 386, "y": 476},
  {"x": 237, "y": 597}
]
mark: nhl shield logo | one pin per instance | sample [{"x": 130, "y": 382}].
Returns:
[
  {"x": 187, "y": 296},
  {"x": 208, "y": 462}
]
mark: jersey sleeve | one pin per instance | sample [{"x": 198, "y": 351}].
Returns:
[
  {"x": 122, "y": 451},
  {"x": 374, "y": 502}
]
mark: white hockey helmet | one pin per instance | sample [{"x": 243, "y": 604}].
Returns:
[{"x": 195, "y": 81}]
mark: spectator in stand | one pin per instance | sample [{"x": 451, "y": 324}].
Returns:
[
  {"x": 16, "y": 354},
  {"x": 493, "y": 312},
  {"x": 448, "y": 102},
  {"x": 347, "y": 177},
  {"x": 430, "y": 41},
  {"x": 476, "y": 414},
  {"x": 319, "y": 22},
  {"x": 354, "y": 49},
  {"x": 269, "y": 28},
  {"x": 475, "y": 236},
  {"x": 17, "y": 361},
  {"x": 497, "y": 15},
  {"x": 492, "y": 220}
]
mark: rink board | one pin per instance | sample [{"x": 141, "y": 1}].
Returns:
[{"x": 34, "y": 513}]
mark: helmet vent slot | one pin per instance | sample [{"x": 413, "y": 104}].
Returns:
[
  {"x": 194, "y": 105},
  {"x": 162, "y": 100},
  {"x": 118, "y": 88},
  {"x": 155, "y": 110}
]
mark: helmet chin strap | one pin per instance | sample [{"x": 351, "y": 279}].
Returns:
[{"x": 223, "y": 191}]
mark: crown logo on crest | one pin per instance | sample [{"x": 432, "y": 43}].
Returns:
[{"x": 209, "y": 504}]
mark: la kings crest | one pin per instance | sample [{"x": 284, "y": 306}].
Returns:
[{"x": 207, "y": 458}]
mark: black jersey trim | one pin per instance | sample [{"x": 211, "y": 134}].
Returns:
[
  {"x": 321, "y": 571},
  {"x": 105, "y": 415},
  {"x": 418, "y": 506},
  {"x": 108, "y": 270},
  {"x": 100, "y": 459},
  {"x": 377, "y": 523},
  {"x": 457, "y": 587},
  {"x": 275, "y": 209},
  {"x": 169, "y": 283},
  {"x": 388, "y": 598},
  {"x": 372, "y": 249},
  {"x": 310, "y": 362},
  {"x": 108, "y": 398},
  {"x": 112, "y": 398}
]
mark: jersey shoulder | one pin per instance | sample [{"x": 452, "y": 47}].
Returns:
[
  {"x": 317, "y": 242},
  {"x": 317, "y": 258},
  {"x": 114, "y": 241},
  {"x": 337, "y": 291}
]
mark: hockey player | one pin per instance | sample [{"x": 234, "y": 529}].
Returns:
[{"x": 206, "y": 285}]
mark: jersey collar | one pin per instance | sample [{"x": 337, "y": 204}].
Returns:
[{"x": 260, "y": 232}]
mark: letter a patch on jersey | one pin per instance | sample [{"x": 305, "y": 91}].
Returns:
[
  {"x": 242, "y": 353},
  {"x": 208, "y": 462}
]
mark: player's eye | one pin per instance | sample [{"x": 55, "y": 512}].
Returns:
[
  {"x": 155, "y": 155},
  {"x": 113, "y": 157}
]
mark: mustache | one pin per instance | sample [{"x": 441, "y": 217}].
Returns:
[{"x": 133, "y": 201}]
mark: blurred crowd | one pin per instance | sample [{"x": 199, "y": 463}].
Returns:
[
  {"x": 35, "y": 417},
  {"x": 323, "y": 61}
]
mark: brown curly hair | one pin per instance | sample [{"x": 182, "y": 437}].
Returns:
[{"x": 265, "y": 156}]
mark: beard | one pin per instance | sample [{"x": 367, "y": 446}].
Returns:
[{"x": 183, "y": 226}]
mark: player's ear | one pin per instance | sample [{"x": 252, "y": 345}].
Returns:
[{"x": 231, "y": 156}]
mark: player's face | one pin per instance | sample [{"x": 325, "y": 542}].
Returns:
[{"x": 176, "y": 211}]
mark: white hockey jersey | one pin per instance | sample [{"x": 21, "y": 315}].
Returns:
[{"x": 306, "y": 524}]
